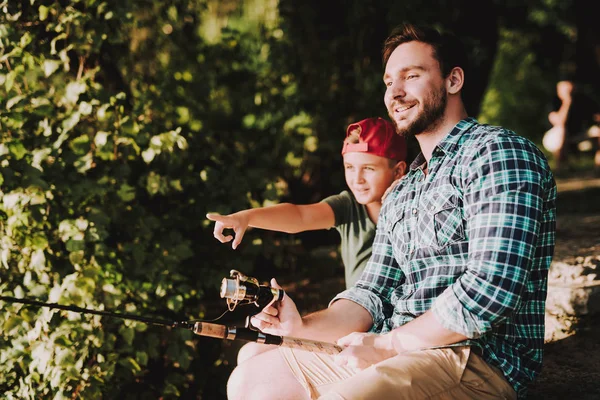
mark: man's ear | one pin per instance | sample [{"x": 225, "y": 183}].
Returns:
[
  {"x": 399, "y": 169},
  {"x": 455, "y": 80}
]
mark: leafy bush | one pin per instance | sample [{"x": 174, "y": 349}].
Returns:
[{"x": 121, "y": 127}]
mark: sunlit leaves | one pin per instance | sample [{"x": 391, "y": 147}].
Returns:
[
  {"x": 165, "y": 142},
  {"x": 120, "y": 127},
  {"x": 156, "y": 184},
  {"x": 73, "y": 91}
]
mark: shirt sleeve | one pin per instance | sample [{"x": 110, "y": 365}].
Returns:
[
  {"x": 341, "y": 205},
  {"x": 505, "y": 183},
  {"x": 380, "y": 277}
]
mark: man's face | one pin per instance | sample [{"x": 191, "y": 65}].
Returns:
[
  {"x": 416, "y": 95},
  {"x": 368, "y": 176}
]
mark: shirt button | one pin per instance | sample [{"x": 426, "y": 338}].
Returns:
[
  {"x": 432, "y": 208},
  {"x": 414, "y": 211}
]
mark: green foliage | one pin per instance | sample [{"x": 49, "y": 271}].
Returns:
[
  {"x": 121, "y": 128},
  {"x": 537, "y": 46},
  {"x": 519, "y": 96}
]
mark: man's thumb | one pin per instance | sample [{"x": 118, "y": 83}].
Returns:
[{"x": 275, "y": 284}]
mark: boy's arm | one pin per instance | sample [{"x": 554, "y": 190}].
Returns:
[{"x": 286, "y": 217}]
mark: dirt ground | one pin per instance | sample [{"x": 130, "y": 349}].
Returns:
[{"x": 571, "y": 367}]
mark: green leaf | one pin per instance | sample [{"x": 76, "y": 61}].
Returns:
[
  {"x": 176, "y": 184},
  {"x": 39, "y": 241},
  {"x": 86, "y": 284},
  {"x": 14, "y": 100},
  {"x": 11, "y": 323},
  {"x": 39, "y": 156},
  {"x": 153, "y": 183},
  {"x": 63, "y": 341},
  {"x": 53, "y": 42},
  {"x": 25, "y": 40},
  {"x": 43, "y": 10},
  {"x": 77, "y": 257},
  {"x": 148, "y": 155},
  {"x": 126, "y": 193},
  {"x": 70, "y": 122},
  {"x": 130, "y": 127},
  {"x": 50, "y": 66},
  {"x": 80, "y": 145},
  {"x": 85, "y": 108},
  {"x": 171, "y": 390},
  {"x": 38, "y": 258},
  {"x": 175, "y": 302},
  {"x": 17, "y": 149},
  {"x": 130, "y": 364},
  {"x": 64, "y": 357},
  {"x": 127, "y": 333},
  {"x": 142, "y": 357},
  {"x": 10, "y": 80},
  {"x": 73, "y": 90},
  {"x": 75, "y": 245}
]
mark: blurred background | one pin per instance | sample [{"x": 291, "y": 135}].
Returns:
[{"x": 124, "y": 122}]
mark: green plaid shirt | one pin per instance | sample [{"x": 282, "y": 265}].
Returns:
[{"x": 472, "y": 240}]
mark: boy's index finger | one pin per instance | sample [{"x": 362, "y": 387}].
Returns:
[{"x": 213, "y": 217}]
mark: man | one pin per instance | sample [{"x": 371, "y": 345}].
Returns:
[{"x": 455, "y": 289}]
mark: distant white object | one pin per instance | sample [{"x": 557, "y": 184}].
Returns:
[
  {"x": 554, "y": 138},
  {"x": 594, "y": 131}
]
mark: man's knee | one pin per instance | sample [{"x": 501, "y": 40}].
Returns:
[
  {"x": 237, "y": 384},
  {"x": 250, "y": 350},
  {"x": 264, "y": 377}
]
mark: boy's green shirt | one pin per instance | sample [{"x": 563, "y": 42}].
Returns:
[{"x": 357, "y": 232}]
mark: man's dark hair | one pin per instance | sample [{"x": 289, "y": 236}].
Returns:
[{"x": 447, "y": 48}]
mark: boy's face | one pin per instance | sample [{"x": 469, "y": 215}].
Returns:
[{"x": 368, "y": 176}]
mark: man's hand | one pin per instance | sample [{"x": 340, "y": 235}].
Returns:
[
  {"x": 238, "y": 222},
  {"x": 281, "y": 319},
  {"x": 362, "y": 350}
]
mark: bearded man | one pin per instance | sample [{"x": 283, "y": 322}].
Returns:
[{"x": 451, "y": 303}]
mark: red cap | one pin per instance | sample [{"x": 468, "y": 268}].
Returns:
[{"x": 376, "y": 136}]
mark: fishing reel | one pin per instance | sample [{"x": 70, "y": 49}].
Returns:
[{"x": 242, "y": 290}]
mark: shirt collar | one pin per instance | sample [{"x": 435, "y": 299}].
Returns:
[{"x": 449, "y": 144}]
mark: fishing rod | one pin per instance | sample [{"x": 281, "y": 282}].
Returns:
[{"x": 239, "y": 290}]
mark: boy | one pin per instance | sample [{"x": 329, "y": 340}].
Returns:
[{"x": 374, "y": 157}]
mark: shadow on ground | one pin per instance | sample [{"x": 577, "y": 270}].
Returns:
[{"x": 571, "y": 367}]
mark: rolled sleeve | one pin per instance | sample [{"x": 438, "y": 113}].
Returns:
[
  {"x": 365, "y": 298},
  {"x": 453, "y": 315}
]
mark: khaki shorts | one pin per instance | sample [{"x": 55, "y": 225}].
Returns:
[{"x": 442, "y": 373}]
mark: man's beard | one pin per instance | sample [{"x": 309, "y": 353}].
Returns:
[{"x": 431, "y": 116}]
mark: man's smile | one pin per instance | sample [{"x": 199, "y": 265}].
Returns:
[{"x": 401, "y": 108}]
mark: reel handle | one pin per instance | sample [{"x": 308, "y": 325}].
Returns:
[{"x": 243, "y": 289}]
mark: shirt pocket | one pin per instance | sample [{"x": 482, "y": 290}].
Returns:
[{"x": 448, "y": 225}]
